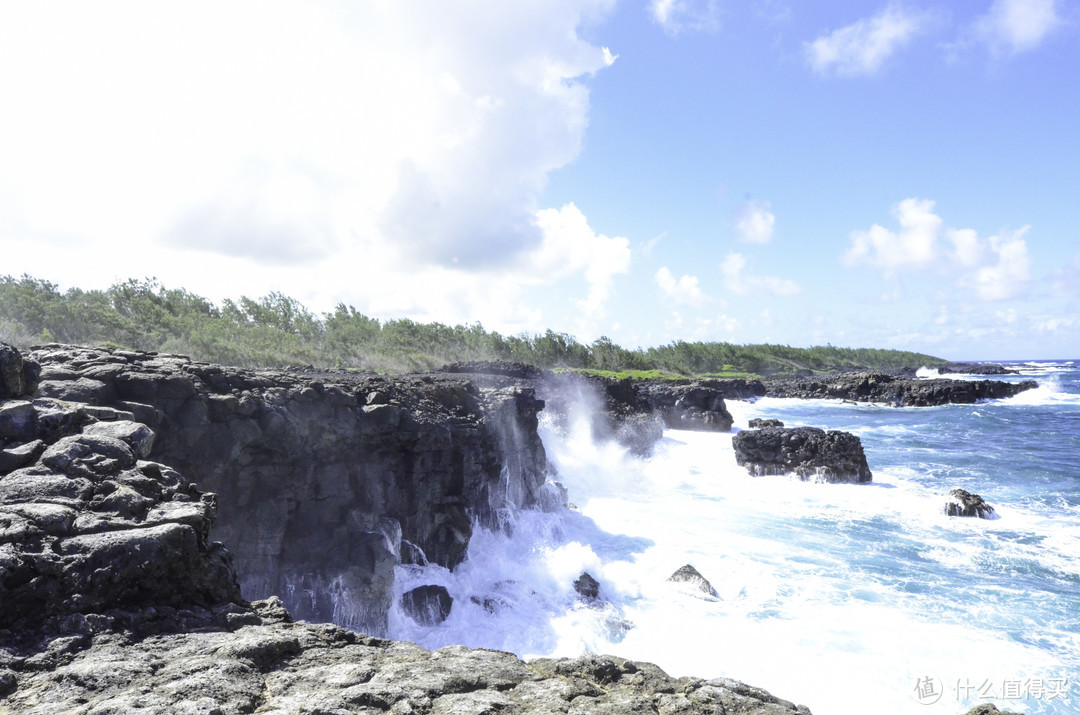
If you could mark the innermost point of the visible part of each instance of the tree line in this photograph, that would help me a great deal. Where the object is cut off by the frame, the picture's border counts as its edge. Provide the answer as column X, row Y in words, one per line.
column 278, row 331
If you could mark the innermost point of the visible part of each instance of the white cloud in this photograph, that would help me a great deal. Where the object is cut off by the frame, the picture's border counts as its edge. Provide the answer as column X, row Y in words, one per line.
column 1009, row 275
column 862, row 47
column 684, row 290
column 737, row 281
column 678, row 15
column 756, row 222
column 395, row 151
column 726, row 323
column 1016, row 26
column 571, row 246
column 914, row 246
column 996, row 268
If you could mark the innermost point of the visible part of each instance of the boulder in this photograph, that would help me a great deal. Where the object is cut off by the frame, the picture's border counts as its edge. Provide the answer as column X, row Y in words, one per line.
column 18, row 377
column 84, row 528
column 427, row 605
column 761, row 422
column 691, row 577
column 964, row 503
column 809, row 453
column 587, row 587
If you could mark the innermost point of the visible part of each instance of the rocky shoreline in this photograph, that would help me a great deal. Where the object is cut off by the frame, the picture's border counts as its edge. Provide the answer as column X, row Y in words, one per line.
column 145, row 497
column 115, row 600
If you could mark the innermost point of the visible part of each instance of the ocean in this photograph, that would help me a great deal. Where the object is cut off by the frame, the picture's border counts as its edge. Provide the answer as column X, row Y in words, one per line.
column 842, row 597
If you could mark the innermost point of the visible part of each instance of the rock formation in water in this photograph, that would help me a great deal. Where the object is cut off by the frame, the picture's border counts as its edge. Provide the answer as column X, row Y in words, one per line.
column 325, row 482
column 114, row 599
column 883, row 388
column 809, row 453
column 969, row 368
column 692, row 577
column 964, row 503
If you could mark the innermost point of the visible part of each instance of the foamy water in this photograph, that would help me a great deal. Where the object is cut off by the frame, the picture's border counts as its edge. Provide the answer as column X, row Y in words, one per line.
column 841, row 597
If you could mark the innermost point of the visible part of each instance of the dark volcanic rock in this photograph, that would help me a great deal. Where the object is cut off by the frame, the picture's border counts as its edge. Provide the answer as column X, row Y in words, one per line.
column 963, row 503
column 760, row 422
column 587, row 587
column 810, row 453
column 18, row 376
column 691, row 576
column 112, row 599
column 325, row 481
column 968, row 368
column 85, row 527
column 879, row 387
column 427, row 605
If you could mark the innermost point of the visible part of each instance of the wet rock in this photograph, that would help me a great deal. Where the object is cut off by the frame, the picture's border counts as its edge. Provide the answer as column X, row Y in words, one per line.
column 691, row 577
column 968, row 368
column 761, row 422
column 809, row 453
column 963, row 503
column 428, row 605
column 587, row 587
column 320, row 476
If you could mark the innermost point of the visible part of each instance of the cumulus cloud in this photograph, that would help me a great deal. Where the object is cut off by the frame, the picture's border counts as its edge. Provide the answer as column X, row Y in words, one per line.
column 913, row 246
column 996, row 268
column 1015, row 26
column 756, row 222
column 386, row 148
column 1008, row 276
column 862, row 47
column 571, row 246
column 678, row 15
column 684, row 290
column 738, row 281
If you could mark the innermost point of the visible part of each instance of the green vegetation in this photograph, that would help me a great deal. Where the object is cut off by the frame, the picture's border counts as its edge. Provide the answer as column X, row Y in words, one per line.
column 277, row 330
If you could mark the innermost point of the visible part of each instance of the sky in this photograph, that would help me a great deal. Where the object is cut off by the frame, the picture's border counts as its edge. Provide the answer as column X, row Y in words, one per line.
column 881, row 174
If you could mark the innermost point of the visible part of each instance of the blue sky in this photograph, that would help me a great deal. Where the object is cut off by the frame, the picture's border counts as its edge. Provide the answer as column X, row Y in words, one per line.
column 862, row 174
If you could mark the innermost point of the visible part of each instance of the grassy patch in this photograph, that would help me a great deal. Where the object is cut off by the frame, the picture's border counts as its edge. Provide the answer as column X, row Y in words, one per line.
column 731, row 374
column 624, row 374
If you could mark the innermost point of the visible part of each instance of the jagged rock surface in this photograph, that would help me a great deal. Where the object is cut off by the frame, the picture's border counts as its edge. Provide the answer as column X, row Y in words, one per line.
column 112, row 599
column 692, row 577
column 880, row 387
column 963, row 503
column 89, row 525
column 634, row 412
column 968, row 368
column 325, row 480
column 810, row 453
column 263, row 663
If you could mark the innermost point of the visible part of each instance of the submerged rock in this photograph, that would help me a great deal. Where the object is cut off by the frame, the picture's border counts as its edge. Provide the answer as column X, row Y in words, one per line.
column 762, row 422
column 809, row 453
column 963, row 503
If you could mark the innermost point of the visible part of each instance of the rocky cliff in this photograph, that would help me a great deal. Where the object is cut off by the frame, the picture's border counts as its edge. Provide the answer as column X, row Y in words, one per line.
column 113, row 598
column 324, row 481
column 901, row 392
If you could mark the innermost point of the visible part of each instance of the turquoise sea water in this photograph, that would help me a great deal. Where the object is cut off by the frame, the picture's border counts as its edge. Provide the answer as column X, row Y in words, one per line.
column 842, row 597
